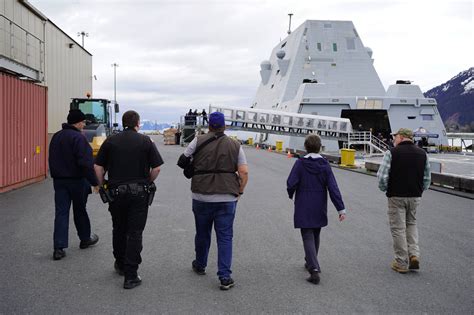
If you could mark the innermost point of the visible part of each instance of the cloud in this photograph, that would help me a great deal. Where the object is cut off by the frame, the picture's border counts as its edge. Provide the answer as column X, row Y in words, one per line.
column 177, row 54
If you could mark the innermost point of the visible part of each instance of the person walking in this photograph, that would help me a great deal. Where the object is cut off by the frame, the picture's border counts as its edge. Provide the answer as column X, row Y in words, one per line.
column 204, row 118
column 404, row 174
column 219, row 180
column 72, row 170
column 309, row 181
column 132, row 162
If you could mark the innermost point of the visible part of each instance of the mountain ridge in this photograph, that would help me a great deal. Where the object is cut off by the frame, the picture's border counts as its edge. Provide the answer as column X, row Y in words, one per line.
column 455, row 99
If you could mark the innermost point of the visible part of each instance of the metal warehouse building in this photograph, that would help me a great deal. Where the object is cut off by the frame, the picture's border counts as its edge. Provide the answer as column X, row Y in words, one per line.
column 41, row 69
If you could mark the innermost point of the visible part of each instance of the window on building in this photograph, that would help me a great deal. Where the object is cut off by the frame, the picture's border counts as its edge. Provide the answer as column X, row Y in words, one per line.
column 272, row 86
column 327, row 25
column 334, row 46
column 278, row 71
column 427, row 117
column 411, row 117
column 319, row 46
column 283, row 45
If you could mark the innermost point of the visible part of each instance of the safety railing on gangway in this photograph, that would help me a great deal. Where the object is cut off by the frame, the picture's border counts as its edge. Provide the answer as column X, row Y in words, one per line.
column 376, row 146
column 284, row 123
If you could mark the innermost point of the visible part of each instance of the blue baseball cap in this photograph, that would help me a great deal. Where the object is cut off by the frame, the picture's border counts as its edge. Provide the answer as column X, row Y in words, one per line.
column 216, row 120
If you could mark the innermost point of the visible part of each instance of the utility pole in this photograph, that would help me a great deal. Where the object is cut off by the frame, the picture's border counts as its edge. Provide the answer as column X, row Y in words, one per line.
column 115, row 65
column 83, row 34
column 289, row 26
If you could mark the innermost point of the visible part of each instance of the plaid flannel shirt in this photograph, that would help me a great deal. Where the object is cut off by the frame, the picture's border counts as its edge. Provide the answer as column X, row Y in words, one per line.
column 384, row 171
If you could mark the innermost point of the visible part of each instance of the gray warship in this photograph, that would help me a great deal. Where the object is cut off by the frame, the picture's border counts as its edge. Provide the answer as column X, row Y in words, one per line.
column 323, row 68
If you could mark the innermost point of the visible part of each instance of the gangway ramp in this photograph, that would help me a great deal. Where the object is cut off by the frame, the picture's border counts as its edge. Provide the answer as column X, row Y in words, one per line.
column 284, row 123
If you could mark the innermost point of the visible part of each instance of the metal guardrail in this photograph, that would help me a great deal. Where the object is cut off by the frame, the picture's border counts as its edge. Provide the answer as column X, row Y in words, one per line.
column 456, row 182
column 367, row 138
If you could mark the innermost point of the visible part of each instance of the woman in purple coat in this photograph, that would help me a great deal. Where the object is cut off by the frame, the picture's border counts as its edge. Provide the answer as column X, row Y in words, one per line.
column 311, row 178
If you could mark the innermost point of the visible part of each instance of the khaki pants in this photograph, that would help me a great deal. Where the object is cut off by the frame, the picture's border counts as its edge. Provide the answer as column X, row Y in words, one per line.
column 402, row 218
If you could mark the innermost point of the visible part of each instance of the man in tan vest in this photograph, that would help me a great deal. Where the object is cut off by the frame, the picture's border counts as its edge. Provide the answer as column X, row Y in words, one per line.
column 220, row 176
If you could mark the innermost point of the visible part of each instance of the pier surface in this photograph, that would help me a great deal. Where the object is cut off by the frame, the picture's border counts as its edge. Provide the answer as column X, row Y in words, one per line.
column 268, row 258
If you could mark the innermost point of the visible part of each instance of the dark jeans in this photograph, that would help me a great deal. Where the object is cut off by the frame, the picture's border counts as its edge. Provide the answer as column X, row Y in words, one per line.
column 67, row 191
column 311, row 247
column 221, row 215
column 129, row 214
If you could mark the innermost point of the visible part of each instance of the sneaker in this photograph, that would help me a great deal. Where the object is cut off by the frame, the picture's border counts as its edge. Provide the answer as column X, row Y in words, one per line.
column 59, row 253
column 92, row 241
column 398, row 268
column 414, row 263
column 199, row 270
column 118, row 269
column 132, row 283
column 314, row 278
column 226, row 283
column 308, row 268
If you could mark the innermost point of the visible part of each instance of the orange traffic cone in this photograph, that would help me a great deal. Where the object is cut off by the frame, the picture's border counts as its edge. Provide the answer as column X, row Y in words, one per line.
column 289, row 155
column 269, row 148
column 257, row 147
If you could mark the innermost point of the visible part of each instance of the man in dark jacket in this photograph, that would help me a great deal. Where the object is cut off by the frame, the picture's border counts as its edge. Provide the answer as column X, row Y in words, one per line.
column 72, row 170
column 219, row 180
column 404, row 174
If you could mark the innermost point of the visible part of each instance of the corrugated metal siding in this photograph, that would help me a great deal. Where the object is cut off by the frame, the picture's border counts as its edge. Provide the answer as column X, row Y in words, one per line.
column 23, row 126
column 68, row 74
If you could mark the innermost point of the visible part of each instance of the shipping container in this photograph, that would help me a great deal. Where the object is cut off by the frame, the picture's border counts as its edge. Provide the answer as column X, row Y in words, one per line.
column 23, row 132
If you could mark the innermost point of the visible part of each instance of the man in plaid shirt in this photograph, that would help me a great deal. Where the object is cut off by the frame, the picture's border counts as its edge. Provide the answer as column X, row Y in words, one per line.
column 404, row 174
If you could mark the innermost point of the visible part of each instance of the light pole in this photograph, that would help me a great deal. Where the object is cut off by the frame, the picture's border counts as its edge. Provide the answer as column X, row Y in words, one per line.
column 115, row 65
column 83, row 34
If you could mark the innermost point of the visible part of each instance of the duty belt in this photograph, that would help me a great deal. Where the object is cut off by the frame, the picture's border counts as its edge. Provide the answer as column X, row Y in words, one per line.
column 132, row 189
column 108, row 194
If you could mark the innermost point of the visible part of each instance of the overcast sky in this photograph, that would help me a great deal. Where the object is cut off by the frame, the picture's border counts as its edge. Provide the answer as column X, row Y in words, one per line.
column 178, row 54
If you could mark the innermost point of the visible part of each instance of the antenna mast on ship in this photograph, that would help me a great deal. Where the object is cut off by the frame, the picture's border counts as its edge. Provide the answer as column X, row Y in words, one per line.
column 289, row 25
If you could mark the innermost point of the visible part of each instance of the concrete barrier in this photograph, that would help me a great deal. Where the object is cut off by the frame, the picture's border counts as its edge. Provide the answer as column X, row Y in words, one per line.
column 332, row 158
column 456, row 182
column 371, row 166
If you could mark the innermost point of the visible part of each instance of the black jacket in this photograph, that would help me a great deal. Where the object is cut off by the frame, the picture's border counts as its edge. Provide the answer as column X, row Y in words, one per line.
column 406, row 170
column 70, row 156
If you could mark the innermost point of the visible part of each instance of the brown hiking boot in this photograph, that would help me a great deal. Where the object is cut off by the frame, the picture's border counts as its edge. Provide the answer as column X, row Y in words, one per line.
column 414, row 263
column 398, row 268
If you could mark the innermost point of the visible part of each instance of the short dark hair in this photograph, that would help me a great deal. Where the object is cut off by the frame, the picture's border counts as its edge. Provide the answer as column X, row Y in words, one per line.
column 130, row 119
column 221, row 129
column 312, row 143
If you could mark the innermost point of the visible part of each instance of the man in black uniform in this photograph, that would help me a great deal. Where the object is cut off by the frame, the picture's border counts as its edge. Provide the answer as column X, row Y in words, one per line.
column 133, row 163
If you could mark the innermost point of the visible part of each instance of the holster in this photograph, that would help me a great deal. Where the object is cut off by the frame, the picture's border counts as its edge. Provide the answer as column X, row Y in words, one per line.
column 151, row 189
column 105, row 194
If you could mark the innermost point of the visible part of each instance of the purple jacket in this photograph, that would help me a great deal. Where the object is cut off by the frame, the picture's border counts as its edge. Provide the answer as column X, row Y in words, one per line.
column 311, row 179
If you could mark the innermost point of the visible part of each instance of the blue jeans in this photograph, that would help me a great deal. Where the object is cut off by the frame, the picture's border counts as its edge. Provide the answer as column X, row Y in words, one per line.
column 221, row 214
column 67, row 191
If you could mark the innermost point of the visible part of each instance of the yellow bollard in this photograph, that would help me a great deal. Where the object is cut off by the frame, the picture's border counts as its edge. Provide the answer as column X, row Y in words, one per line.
column 250, row 140
column 279, row 145
column 347, row 157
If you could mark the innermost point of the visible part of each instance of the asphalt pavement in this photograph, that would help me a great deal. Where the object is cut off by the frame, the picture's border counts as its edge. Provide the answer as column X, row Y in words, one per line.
column 268, row 258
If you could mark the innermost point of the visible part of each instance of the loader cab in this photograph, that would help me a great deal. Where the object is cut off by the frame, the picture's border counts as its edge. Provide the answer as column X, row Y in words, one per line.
column 97, row 111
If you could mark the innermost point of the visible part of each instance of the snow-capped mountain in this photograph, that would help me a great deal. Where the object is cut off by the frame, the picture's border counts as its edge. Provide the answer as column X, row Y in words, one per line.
column 456, row 101
column 152, row 125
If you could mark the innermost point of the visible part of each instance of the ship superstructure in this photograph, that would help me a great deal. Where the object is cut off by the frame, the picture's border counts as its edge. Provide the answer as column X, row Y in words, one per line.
column 323, row 68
